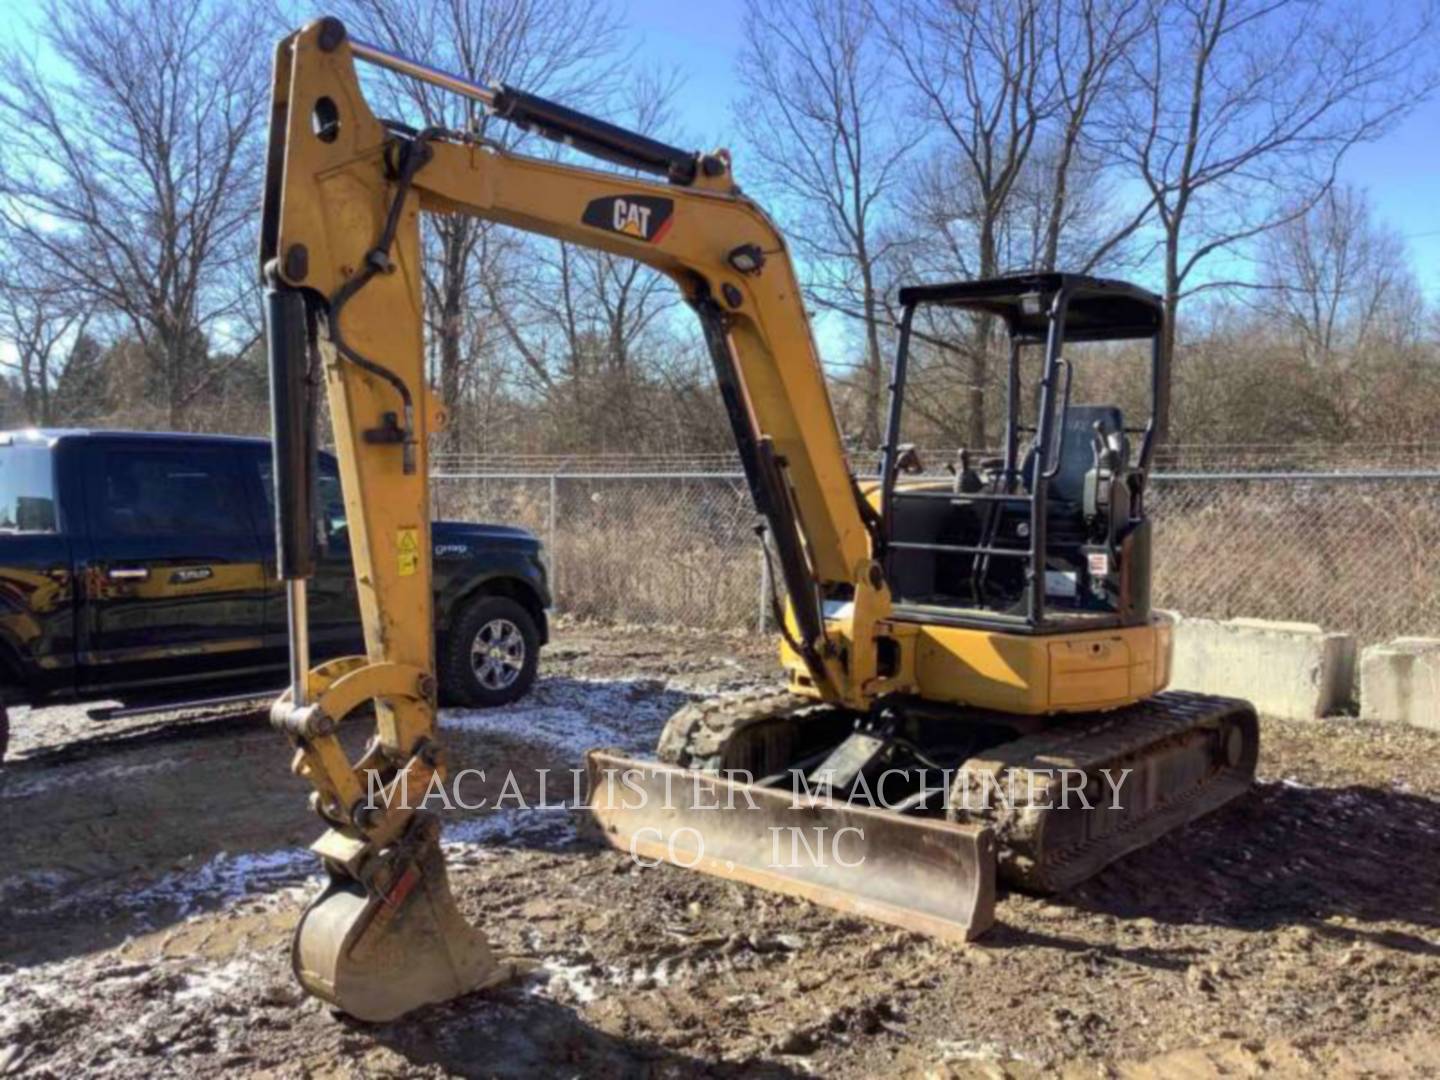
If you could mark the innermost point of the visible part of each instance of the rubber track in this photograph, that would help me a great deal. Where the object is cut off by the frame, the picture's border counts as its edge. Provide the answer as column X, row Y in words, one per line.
column 696, row 736
column 1033, row 852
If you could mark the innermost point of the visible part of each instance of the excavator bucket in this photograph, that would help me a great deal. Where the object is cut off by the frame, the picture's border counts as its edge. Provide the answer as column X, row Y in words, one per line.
column 934, row 877
column 379, row 957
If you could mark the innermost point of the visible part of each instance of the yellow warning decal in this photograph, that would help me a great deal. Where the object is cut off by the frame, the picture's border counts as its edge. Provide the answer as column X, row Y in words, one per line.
column 407, row 544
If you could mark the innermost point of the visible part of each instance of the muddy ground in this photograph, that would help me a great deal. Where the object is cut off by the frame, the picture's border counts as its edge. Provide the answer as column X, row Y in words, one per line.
column 152, row 873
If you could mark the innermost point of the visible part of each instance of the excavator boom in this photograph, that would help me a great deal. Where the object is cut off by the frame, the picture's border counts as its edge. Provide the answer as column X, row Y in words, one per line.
column 340, row 258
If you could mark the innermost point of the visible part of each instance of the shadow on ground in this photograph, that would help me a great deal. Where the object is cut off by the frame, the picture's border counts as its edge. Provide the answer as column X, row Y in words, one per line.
column 511, row 1034
column 102, row 737
column 112, row 835
column 1290, row 855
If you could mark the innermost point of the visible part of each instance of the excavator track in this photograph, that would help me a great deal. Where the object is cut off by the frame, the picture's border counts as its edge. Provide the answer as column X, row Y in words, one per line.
column 1041, row 812
column 1188, row 754
column 756, row 730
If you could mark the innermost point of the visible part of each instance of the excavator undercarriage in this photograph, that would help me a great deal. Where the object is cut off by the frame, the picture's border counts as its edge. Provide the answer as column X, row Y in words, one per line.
column 1040, row 811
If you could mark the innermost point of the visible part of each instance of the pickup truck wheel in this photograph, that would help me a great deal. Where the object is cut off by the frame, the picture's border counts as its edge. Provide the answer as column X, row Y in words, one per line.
column 491, row 653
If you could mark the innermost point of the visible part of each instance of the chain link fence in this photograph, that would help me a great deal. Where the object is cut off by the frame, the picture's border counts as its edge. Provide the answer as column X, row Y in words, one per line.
column 1351, row 551
column 676, row 549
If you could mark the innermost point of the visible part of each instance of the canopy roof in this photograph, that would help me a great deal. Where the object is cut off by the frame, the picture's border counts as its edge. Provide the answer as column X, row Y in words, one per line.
column 1101, row 309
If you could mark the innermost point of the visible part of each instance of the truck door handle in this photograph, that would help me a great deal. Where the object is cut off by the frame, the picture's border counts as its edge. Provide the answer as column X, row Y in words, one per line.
column 127, row 573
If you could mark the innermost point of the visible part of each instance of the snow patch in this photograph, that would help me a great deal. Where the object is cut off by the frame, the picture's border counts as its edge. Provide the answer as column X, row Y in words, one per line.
column 226, row 878
column 568, row 715
column 508, row 827
column 36, row 880
column 576, row 715
column 34, row 785
column 977, row 1050
column 216, row 982
column 223, row 879
column 217, row 883
column 555, row 977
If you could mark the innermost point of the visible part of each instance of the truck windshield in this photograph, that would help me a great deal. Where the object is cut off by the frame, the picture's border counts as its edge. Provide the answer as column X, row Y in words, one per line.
column 27, row 489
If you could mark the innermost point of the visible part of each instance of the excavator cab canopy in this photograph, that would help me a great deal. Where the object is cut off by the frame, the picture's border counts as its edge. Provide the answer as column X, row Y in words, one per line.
column 1051, row 531
column 1097, row 309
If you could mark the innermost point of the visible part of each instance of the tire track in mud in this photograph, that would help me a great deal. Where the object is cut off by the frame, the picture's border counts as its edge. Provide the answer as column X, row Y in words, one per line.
column 80, row 738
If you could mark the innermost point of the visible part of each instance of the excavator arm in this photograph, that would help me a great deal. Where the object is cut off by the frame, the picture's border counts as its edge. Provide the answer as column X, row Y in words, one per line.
column 343, row 196
column 341, row 261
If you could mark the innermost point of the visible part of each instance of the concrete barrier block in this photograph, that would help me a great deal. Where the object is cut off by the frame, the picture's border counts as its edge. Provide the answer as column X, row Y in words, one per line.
column 1297, row 671
column 1400, row 682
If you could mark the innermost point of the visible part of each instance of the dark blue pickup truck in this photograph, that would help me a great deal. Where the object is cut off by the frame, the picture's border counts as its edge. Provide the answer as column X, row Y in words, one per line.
column 141, row 567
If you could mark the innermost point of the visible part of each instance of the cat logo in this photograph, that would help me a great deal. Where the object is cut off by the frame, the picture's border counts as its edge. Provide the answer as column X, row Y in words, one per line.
column 643, row 217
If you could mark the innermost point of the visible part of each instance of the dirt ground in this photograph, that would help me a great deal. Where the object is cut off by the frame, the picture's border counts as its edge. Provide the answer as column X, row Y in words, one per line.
column 153, row 872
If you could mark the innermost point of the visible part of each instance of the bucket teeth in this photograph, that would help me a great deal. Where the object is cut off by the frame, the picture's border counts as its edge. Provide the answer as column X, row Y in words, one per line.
column 378, row 955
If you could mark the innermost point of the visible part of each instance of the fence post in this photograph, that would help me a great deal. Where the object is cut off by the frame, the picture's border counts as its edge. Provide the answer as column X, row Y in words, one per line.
column 764, row 589
column 550, row 543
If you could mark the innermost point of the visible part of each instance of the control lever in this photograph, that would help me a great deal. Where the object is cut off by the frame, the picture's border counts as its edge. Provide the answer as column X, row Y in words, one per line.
column 907, row 459
column 1107, row 448
column 967, row 480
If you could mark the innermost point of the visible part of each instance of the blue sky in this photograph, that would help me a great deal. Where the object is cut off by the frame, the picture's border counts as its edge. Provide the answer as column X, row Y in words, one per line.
column 1401, row 172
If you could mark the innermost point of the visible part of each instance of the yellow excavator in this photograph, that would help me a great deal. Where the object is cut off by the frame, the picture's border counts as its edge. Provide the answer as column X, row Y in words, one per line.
column 974, row 672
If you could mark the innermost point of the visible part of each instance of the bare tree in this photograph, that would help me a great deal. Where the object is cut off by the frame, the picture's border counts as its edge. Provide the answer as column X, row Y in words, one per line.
column 980, row 71
column 1340, row 279
column 941, row 208
column 1242, row 110
column 1089, row 45
column 550, row 47
column 589, row 329
column 1341, row 287
column 40, row 320
column 820, row 122
column 1015, row 178
column 132, row 171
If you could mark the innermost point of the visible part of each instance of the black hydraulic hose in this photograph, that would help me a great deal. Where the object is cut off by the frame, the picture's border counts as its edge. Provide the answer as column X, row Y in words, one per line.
column 870, row 517
column 777, row 609
column 414, row 154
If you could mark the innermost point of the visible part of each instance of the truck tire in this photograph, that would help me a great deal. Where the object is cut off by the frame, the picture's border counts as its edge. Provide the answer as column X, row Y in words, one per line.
column 491, row 653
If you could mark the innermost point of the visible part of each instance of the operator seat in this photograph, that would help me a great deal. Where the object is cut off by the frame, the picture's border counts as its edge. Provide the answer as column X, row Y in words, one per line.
column 1073, row 497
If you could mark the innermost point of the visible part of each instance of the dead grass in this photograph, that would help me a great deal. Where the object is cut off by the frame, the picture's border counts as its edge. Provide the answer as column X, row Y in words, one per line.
column 1355, row 557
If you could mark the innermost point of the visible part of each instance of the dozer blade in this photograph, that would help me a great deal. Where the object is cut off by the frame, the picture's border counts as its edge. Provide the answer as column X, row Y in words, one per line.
column 934, row 877
column 379, row 957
